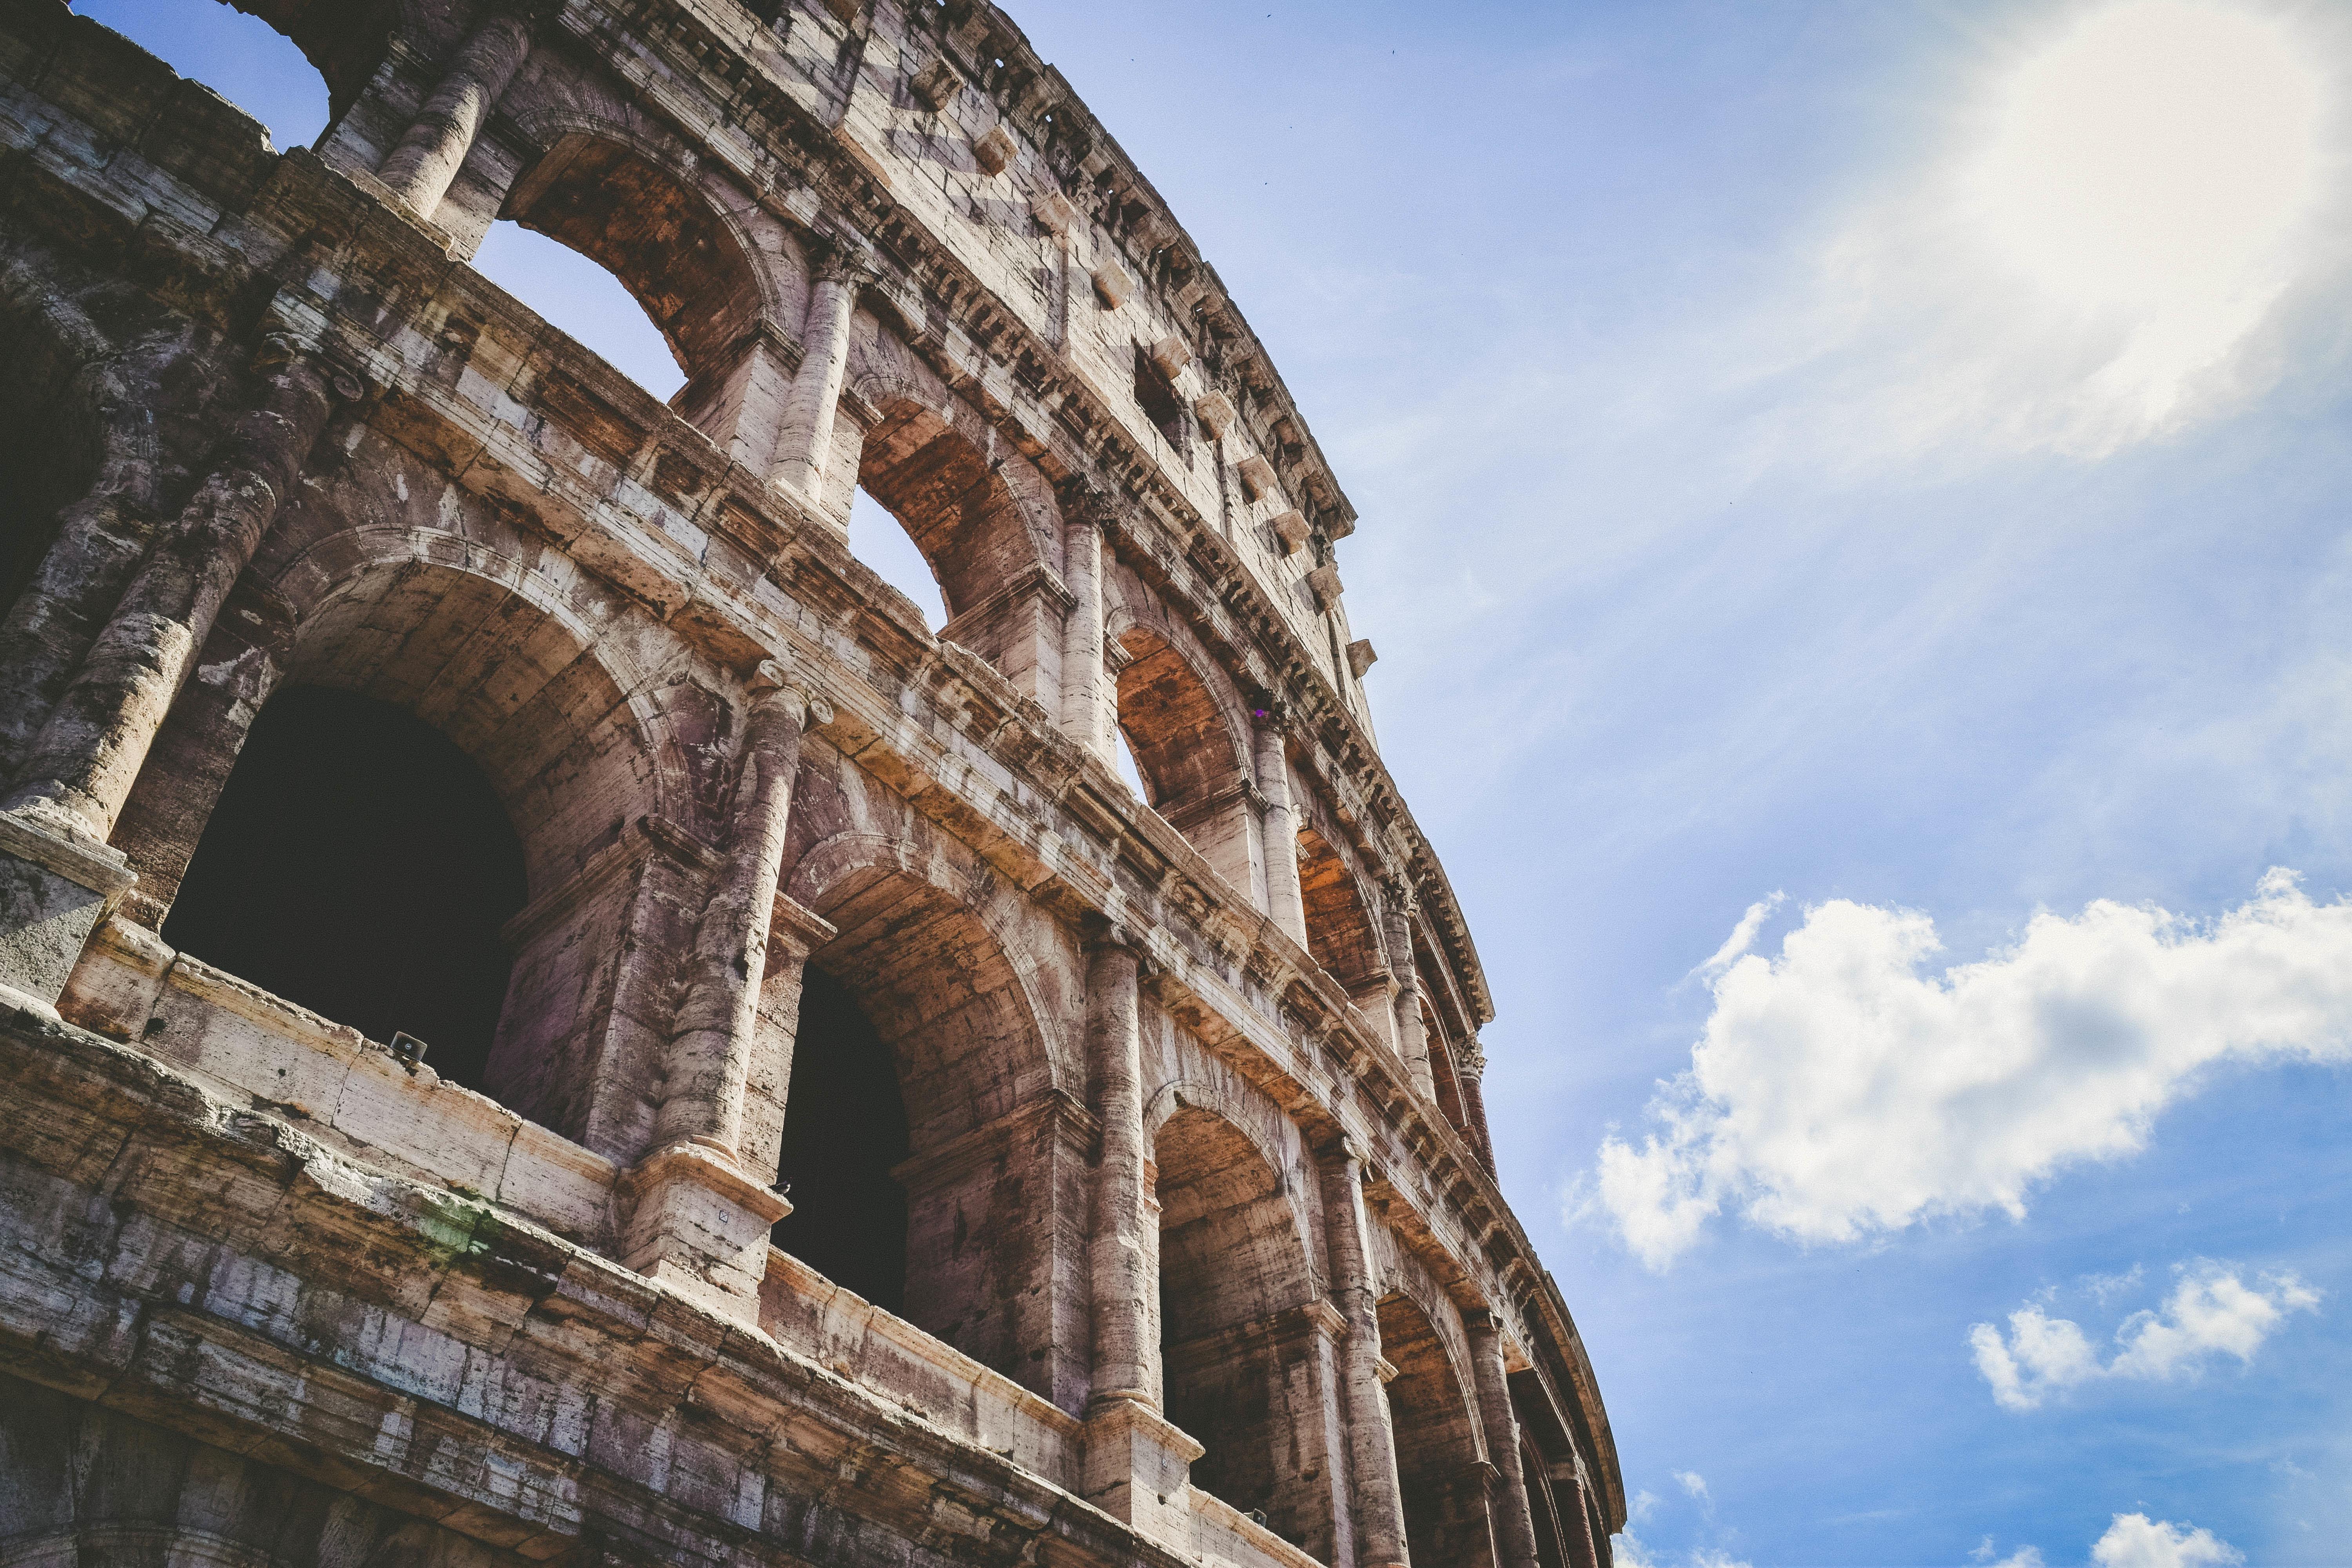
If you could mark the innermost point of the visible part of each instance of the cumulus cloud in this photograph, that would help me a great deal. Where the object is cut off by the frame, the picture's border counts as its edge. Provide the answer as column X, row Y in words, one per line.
column 1839, row 1094
column 2211, row 1312
column 1694, row 1483
column 2134, row 1540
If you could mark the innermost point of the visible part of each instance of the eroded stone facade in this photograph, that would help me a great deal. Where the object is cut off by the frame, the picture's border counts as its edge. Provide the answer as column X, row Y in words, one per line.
column 1205, row 1259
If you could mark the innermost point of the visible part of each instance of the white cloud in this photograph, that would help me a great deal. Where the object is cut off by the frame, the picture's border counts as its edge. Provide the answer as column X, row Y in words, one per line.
column 2023, row 1557
column 2211, row 1312
column 1837, row 1093
column 1645, row 1504
column 1694, row 1483
column 2134, row 1540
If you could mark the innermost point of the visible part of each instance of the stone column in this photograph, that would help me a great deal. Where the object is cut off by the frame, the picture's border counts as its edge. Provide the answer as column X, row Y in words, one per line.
column 1515, row 1525
column 1085, row 679
column 694, row 1217
column 1283, row 900
column 59, row 876
column 1372, row 1440
column 1136, row 1463
column 1118, row 1259
column 805, row 439
column 1412, row 1031
column 707, row 1064
column 419, row 170
column 1471, row 1066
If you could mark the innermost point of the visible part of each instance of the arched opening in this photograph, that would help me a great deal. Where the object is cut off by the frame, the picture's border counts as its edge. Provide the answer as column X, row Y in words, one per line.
column 877, row 539
column 1238, row 1350
column 844, row 1135
column 1438, row 1474
column 951, row 500
column 914, row 1005
column 359, row 864
column 290, row 64
column 584, row 301
column 1340, row 934
column 1185, row 756
column 459, row 666
column 651, row 231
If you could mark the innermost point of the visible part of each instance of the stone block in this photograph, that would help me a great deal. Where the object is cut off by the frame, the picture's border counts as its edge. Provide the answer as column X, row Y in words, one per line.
column 53, row 893
column 994, row 150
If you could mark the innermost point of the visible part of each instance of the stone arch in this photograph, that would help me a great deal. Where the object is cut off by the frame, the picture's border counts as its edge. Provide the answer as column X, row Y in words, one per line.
column 1439, row 1450
column 1190, row 744
column 1341, row 932
column 471, row 641
column 639, row 213
column 564, row 728
column 1245, row 1356
column 994, row 1180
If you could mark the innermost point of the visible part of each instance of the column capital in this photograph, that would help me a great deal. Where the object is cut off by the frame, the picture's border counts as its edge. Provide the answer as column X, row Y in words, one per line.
column 1087, row 502
column 1404, row 898
column 1271, row 712
column 771, row 677
column 1471, row 1060
column 844, row 259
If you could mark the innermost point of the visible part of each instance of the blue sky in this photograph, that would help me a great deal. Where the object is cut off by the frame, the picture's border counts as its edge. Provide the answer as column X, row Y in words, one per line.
column 1890, row 457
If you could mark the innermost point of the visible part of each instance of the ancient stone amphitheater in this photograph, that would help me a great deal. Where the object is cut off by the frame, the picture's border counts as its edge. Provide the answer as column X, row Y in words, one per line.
column 548, row 1018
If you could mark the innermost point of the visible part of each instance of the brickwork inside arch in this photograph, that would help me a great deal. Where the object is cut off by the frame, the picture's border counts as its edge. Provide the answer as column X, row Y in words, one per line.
column 1176, row 1100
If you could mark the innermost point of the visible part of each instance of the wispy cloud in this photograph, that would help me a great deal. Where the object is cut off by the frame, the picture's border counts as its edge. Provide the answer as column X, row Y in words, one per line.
column 1742, row 936
column 1838, row 1093
column 2090, row 260
column 2211, row 1312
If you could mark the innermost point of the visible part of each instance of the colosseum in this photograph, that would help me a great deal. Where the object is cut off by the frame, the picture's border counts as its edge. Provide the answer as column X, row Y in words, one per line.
column 550, row 1017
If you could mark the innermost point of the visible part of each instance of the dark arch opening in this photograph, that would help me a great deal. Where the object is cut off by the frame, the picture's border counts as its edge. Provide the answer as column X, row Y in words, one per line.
column 1436, row 1448
column 1233, row 1340
column 845, row 1133
column 358, row 864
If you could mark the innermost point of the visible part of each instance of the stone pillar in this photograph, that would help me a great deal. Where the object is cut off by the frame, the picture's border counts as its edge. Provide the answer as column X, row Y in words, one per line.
column 1118, row 1259
column 1471, row 1066
column 420, row 168
column 1372, row 1441
column 1137, row 1462
column 1088, row 698
column 695, row 1219
column 1412, row 1030
column 100, row 539
column 707, row 1064
column 1283, row 900
column 57, row 875
column 805, row 439
column 1515, row 1525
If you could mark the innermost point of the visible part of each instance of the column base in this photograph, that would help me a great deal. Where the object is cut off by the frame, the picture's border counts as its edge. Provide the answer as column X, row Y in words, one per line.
column 1138, row 1467
column 691, row 1219
column 56, row 885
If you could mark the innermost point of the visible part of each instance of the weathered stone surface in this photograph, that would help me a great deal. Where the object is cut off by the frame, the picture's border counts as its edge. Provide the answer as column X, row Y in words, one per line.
column 1162, row 1226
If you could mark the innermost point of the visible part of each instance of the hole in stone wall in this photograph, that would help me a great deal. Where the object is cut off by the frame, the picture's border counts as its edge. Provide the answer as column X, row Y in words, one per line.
column 845, row 1130
column 242, row 57
column 582, row 300
column 1436, row 1448
column 359, row 865
column 1158, row 400
column 879, row 540
column 38, row 479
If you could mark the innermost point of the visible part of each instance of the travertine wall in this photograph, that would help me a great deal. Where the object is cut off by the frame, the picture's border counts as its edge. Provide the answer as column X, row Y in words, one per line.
column 1205, row 1259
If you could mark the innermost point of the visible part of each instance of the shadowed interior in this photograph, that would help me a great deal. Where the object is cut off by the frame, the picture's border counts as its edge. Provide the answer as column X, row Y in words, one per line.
column 359, row 864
